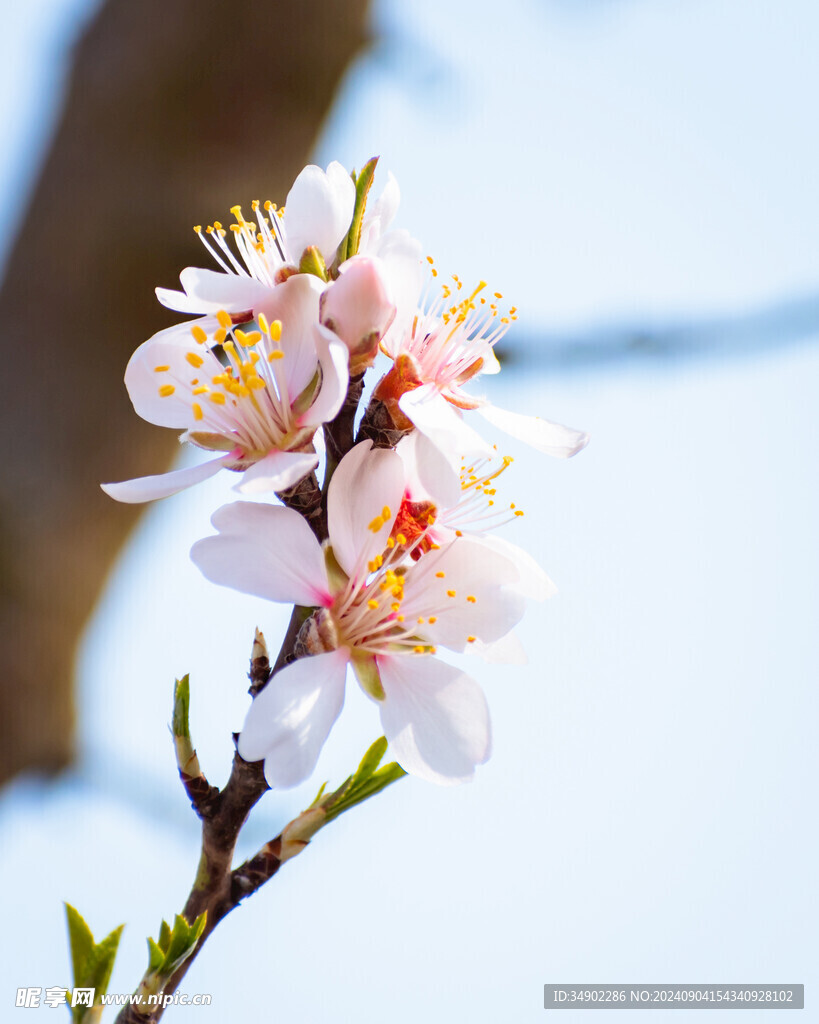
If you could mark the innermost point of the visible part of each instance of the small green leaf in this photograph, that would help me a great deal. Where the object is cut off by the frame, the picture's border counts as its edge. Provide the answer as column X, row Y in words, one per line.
column 362, row 188
column 156, row 956
column 181, row 707
column 82, row 943
column 101, row 962
column 370, row 761
column 164, row 936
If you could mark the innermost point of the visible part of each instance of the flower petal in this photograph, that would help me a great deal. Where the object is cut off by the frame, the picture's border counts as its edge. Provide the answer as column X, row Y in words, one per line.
column 506, row 651
column 534, row 583
column 289, row 721
column 148, row 488
column 334, row 360
column 276, row 472
column 214, row 290
column 367, row 481
column 441, row 583
column 545, row 436
column 266, row 551
column 429, row 472
column 168, row 350
column 295, row 303
column 443, row 426
column 435, row 718
column 319, row 210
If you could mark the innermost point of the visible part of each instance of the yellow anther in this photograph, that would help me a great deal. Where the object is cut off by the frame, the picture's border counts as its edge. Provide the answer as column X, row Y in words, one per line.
column 401, row 538
column 498, row 295
column 276, row 354
column 197, row 411
column 161, row 369
column 471, row 639
column 194, row 359
column 194, row 380
column 385, row 513
column 166, row 390
column 237, row 212
column 202, row 390
column 217, row 397
column 390, row 542
column 224, row 319
column 519, row 512
column 255, row 383
column 376, row 524
column 276, row 330
column 197, row 228
column 230, row 348
column 433, row 619
column 395, row 606
column 459, row 533
column 450, row 593
column 399, row 618
column 420, row 620
column 199, row 334
column 372, row 604
column 471, row 598
column 265, row 326
column 220, row 336
column 440, row 575
column 268, row 205
column 419, row 650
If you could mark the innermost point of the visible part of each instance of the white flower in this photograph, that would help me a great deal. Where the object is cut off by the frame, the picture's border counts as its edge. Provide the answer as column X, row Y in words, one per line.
column 443, row 343
column 260, row 410
column 379, row 610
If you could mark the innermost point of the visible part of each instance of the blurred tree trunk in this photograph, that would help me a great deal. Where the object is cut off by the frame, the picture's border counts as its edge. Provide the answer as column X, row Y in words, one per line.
column 176, row 109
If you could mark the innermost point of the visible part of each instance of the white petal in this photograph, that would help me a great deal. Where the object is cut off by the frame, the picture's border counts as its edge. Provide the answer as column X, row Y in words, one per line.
column 334, row 359
column 406, row 272
column 545, row 436
column 319, row 210
column 276, row 472
column 147, row 488
column 506, row 651
column 296, row 304
column 264, row 550
column 470, row 569
column 430, row 473
column 443, row 426
column 490, row 362
column 215, row 290
column 365, row 482
column 384, row 209
column 291, row 718
column 182, row 303
column 534, row 583
column 435, row 718
column 169, row 348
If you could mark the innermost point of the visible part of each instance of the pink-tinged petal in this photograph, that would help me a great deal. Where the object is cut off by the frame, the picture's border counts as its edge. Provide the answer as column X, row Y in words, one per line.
column 319, row 210
column 333, row 359
column 295, row 303
column 443, row 426
column 276, row 472
column 533, row 584
column 358, row 306
column 215, row 290
column 380, row 214
column 148, row 488
column 429, row 472
column 161, row 362
column 545, row 436
column 266, row 551
column 435, row 718
column 367, row 482
column 291, row 718
column 406, row 271
column 469, row 569
column 506, row 651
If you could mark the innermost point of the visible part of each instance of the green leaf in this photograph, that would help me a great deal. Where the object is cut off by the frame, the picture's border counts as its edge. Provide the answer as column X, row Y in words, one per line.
column 362, row 188
column 164, row 937
column 101, row 962
column 181, row 707
column 156, row 955
column 82, row 943
column 370, row 761
column 312, row 262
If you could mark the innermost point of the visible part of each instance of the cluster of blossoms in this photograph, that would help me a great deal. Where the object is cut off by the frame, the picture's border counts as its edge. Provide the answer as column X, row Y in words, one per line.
column 392, row 557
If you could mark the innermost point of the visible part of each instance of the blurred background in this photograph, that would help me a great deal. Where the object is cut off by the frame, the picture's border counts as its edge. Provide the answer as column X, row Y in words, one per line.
column 639, row 179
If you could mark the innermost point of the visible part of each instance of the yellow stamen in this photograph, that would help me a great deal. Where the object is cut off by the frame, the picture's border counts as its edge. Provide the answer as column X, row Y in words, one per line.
column 195, row 360
column 197, row 411
column 166, row 390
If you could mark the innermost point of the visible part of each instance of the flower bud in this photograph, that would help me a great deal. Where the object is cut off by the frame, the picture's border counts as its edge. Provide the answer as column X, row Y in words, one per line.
column 359, row 309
